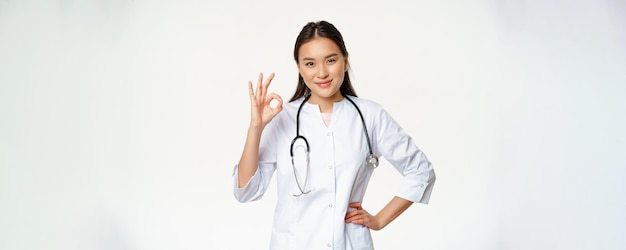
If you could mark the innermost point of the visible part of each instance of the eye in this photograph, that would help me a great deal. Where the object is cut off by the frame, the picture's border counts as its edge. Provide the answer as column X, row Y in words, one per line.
column 331, row 61
column 308, row 64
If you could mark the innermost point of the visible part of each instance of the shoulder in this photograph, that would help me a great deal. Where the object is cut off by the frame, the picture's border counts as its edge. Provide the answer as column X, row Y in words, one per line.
column 295, row 104
column 373, row 112
column 367, row 105
column 291, row 108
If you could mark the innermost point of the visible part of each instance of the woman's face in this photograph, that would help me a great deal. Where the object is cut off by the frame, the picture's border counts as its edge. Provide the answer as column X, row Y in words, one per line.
column 322, row 66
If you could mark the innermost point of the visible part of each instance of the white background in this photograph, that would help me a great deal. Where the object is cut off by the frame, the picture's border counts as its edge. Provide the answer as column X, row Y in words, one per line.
column 120, row 121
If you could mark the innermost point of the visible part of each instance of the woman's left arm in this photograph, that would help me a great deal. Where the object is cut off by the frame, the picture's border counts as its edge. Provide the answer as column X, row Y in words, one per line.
column 418, row 176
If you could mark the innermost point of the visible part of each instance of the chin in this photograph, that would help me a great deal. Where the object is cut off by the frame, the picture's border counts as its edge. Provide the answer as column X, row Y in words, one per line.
column 329, row 94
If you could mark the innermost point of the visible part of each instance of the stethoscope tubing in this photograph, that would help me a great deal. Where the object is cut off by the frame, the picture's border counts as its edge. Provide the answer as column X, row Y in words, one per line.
column 371, row 159
column 367, row 136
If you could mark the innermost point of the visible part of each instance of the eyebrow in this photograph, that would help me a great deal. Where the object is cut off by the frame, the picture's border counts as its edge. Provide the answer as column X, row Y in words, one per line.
column 328, row 56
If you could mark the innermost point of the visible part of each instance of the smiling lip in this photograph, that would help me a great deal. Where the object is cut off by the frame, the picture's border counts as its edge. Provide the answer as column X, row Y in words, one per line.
column 324, row 84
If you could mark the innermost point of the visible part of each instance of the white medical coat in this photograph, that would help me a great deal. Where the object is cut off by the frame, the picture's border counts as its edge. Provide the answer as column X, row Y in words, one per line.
column 337, row 172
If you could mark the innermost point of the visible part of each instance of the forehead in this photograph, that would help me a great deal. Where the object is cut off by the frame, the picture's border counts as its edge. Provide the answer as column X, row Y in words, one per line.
column 319, row 47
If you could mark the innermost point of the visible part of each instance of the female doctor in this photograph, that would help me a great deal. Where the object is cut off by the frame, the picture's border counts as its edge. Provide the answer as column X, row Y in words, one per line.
column 323, row 145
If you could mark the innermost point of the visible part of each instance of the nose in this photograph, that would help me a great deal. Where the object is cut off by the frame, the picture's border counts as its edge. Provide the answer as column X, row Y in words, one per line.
column 322, row 72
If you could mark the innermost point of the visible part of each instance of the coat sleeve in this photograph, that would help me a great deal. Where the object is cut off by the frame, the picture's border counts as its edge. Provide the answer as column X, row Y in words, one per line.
column 256, row 187
column 400, row 150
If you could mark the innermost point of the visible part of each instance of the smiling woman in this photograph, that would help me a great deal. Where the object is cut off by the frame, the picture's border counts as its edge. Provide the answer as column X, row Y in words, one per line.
column 323, row 69
column 320, row 193
column 119, row 129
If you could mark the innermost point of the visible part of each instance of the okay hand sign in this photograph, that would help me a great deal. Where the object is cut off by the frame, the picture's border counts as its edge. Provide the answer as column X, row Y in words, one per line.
column 262, row 111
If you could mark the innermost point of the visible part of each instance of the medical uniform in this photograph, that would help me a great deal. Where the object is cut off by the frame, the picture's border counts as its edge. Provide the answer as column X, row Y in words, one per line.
column 337, row 173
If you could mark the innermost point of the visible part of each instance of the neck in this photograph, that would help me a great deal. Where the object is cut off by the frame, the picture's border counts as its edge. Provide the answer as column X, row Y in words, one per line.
column 325, row 104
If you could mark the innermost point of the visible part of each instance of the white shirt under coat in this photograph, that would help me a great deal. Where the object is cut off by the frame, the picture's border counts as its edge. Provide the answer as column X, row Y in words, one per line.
column 337, row 172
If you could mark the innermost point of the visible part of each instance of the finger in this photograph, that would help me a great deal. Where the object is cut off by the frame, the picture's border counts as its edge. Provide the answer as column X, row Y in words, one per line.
column 280, row 99
column 268, row 80
column 350, row 215
column 359, row 219
column 356, row 205
column 266, row 84
column 251, row 91
column 258, row 85
column 355, row 213
column 279, row 104
column 274, row 96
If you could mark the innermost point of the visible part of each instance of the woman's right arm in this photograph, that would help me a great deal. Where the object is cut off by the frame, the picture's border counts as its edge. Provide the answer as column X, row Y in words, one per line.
column 261, row 114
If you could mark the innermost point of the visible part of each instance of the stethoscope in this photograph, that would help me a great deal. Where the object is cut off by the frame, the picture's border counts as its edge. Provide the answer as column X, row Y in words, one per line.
column 370, row 159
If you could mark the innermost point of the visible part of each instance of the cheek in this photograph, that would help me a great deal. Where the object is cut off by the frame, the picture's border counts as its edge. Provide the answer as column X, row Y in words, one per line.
column 339, row 70
column 306, row 74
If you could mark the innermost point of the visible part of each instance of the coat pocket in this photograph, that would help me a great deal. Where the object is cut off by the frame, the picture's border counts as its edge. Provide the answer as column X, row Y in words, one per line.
column 358, row 237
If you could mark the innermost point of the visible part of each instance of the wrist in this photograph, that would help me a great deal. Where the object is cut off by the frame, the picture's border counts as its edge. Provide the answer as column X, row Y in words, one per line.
column 380, row 222
column 256, row 126
column 255, row 129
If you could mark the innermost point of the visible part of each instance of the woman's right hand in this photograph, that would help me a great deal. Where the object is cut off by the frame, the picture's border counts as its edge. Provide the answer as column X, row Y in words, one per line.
column 262, row 111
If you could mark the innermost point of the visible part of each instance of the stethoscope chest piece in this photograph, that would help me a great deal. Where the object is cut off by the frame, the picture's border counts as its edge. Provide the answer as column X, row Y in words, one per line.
column 372, row 161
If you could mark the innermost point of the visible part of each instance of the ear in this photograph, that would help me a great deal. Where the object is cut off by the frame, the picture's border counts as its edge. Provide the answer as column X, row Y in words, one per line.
column 347, row 63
